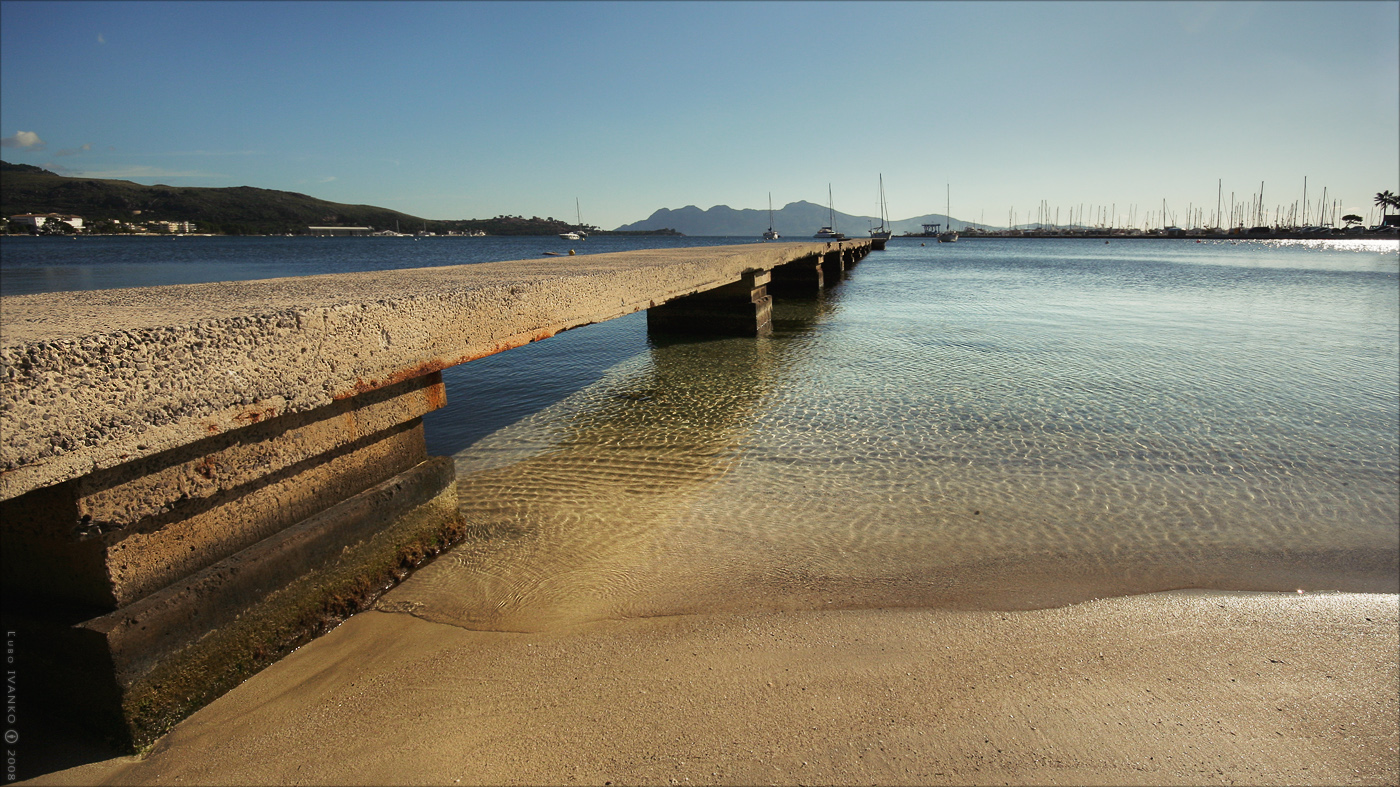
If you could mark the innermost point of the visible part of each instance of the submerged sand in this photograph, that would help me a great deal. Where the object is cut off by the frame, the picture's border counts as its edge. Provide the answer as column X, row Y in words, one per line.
column 1172, row 688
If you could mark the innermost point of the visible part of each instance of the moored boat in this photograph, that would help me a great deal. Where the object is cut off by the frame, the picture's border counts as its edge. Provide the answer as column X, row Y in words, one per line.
column 829, row 232
column 948, row 236
column 880, row 234
column 578, row 234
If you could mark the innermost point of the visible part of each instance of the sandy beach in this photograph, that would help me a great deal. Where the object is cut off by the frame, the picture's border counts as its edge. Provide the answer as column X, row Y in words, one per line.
column 1171, row 688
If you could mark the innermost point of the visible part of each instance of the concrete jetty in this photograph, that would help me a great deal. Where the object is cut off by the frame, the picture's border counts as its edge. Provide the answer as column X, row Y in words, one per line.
column 197, row 479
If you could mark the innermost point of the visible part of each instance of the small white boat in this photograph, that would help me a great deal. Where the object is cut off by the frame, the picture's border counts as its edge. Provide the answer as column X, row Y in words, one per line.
column 771, row 234
column 575, row 234
column 829, row 231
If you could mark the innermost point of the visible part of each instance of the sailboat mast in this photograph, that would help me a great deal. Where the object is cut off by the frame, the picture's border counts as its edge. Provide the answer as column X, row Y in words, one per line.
column 882, row 202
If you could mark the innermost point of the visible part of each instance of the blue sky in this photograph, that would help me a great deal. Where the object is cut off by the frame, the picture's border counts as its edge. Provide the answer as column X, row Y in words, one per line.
column 470, row 110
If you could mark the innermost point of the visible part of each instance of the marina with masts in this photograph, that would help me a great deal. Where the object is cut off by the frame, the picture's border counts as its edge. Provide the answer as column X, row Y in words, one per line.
column 1234, row 218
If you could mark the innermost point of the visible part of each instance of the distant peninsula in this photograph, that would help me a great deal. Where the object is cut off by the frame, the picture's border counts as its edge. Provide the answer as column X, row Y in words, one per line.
column 121, row 206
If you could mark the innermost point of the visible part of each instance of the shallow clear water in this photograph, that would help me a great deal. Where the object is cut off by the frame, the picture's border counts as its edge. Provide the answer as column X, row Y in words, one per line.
column 998, row 424
column 993, row 423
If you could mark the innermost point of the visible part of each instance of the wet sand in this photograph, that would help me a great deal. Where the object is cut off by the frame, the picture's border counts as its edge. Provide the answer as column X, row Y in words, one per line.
column 1171, row 688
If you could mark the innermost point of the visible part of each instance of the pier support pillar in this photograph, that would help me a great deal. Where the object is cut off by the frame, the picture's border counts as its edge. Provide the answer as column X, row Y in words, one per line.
column 155, row 586
column 743, row 308
column 833, row 265
column 804, row 276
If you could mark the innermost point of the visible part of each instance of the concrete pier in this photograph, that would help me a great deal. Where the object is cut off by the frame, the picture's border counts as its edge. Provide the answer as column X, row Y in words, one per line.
column 743, row 308
column 196, row 479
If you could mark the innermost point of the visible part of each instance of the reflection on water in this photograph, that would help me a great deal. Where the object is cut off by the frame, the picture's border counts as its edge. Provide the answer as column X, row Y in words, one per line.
column 1011, row 425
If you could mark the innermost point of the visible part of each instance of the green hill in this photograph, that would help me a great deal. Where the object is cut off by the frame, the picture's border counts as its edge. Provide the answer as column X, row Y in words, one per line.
column 242, row 210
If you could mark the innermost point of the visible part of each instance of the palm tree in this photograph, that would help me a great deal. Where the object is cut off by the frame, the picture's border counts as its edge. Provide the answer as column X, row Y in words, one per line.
column 1387, row 199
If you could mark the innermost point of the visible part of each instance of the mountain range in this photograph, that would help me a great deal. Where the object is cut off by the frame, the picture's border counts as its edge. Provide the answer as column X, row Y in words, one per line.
column 247, row 210
column 240, row 210
column 28, row 189
column 795, row 221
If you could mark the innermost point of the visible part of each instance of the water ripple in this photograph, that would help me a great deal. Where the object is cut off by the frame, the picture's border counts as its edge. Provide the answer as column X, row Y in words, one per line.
column 961, row 428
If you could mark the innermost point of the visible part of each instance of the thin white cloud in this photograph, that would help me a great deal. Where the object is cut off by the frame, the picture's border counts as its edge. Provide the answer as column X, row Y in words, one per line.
column 23, row 139
column 211, row 153
column 326, row 180
column 75, row 151
column 101, row 39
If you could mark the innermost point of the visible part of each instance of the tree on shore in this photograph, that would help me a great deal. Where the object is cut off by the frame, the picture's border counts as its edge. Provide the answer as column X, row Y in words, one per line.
column 56, row 227
column 1352, row 218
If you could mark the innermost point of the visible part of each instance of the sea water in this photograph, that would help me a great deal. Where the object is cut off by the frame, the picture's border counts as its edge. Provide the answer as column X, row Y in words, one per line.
column 1004, row 423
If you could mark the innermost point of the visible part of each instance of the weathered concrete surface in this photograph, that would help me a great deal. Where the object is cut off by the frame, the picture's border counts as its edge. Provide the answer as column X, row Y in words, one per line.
column 114, row 536
column 134, row 672
column 91, row 380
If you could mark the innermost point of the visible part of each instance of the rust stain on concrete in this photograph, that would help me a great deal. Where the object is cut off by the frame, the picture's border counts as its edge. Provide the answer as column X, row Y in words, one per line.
column 364, row 386
column 436, row 396
column 253, row 415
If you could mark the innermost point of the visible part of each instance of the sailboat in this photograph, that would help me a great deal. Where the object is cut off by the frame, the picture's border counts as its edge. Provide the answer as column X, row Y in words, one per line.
column 575, row 234
column 881, row 233
column 949, row 236
column 829, row 231
column 771, row 234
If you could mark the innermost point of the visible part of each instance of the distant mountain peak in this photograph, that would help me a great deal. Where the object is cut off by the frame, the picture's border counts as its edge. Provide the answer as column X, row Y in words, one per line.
column 795, row 220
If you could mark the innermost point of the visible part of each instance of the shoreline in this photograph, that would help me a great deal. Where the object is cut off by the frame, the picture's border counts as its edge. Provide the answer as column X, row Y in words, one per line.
column 1182, row 687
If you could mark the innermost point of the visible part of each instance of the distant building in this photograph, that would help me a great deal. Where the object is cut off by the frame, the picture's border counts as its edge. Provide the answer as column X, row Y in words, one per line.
column 325, row 231
column 176, row 226
column 38, row 220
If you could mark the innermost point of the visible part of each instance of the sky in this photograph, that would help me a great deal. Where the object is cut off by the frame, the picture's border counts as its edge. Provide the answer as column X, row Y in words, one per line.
column 456, row 110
